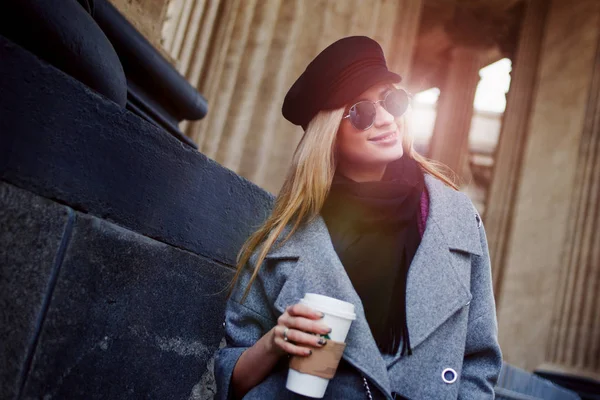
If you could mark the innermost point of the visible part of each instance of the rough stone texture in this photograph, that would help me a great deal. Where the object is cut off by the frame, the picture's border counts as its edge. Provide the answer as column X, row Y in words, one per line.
column 207, row 387
column 85, row 151
column 31, row 231
column 131, row 317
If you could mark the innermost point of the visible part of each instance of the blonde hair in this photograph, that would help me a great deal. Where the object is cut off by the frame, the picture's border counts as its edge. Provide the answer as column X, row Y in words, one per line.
column 306, row 187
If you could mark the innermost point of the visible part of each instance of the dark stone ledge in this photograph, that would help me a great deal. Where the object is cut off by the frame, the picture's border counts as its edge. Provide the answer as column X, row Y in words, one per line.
column 65, row 35
column 62, row 141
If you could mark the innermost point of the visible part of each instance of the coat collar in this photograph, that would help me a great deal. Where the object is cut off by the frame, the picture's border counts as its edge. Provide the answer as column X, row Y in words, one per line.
column 435, row 288
column 449, row 209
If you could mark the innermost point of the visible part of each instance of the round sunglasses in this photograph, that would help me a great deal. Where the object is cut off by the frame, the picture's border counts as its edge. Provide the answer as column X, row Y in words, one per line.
column 362, row 114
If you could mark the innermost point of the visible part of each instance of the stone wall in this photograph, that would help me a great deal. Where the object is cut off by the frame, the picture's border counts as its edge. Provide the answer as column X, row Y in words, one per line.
column 118, row 243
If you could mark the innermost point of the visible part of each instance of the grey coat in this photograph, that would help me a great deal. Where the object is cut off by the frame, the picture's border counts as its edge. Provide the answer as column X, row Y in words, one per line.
column 450, row 311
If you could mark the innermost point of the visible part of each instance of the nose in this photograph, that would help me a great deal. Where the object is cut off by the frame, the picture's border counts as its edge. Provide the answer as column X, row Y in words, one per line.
column 382, row 116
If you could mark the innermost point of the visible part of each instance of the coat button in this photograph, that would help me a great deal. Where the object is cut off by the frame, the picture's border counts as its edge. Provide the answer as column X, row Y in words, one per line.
column 449, row 375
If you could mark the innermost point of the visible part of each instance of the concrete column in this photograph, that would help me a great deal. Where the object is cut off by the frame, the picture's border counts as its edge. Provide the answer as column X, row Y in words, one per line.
column 405, row 34
column 550, row 283
column 146, row 15
column 574, row 346
column 515, row 123
column 450, row 140
column 243, row 55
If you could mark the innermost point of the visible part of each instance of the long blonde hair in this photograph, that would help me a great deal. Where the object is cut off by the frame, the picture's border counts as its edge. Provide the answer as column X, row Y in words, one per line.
column 307, row 185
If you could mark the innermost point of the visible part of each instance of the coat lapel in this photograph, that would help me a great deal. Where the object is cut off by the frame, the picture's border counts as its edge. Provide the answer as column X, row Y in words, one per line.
column 436, row 286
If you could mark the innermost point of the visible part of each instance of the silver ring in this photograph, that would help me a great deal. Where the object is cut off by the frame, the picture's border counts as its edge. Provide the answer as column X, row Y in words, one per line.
column 285, row 331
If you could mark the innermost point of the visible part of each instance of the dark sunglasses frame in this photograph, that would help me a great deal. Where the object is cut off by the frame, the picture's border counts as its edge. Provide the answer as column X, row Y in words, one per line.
column 374, row 103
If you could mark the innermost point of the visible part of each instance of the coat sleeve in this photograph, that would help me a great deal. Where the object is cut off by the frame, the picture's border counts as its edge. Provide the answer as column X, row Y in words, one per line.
column 245, row 323
column 483, row 358
column 243, row 328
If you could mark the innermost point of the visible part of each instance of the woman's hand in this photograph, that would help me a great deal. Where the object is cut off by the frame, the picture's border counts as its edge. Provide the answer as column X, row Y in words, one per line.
column 302, row 327
column 300, row 324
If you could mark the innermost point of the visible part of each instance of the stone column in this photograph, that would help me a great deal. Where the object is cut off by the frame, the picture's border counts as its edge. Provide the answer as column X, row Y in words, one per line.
column 574, row 346
column 243, row 55
column 511, row 144
column 450, row 140
column 146, row 16
column 548, row 306
column 402, row 45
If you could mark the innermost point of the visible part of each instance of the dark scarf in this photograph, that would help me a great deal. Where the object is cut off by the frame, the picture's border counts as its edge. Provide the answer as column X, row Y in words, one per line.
column 374, row 230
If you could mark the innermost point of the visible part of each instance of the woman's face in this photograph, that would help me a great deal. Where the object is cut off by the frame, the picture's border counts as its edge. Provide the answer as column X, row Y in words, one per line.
column 378, row 145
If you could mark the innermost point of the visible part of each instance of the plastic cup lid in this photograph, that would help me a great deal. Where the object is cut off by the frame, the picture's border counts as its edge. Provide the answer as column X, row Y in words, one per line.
column 329, row 305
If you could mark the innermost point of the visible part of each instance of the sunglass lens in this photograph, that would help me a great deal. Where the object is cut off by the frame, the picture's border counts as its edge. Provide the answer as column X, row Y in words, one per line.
column 362, row 115
column 396, row 102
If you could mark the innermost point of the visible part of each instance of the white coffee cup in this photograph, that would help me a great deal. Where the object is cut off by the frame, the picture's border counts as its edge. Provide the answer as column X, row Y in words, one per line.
column 338, row 316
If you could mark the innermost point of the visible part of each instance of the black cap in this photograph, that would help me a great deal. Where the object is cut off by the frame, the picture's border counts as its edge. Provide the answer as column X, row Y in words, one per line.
column 340, row 73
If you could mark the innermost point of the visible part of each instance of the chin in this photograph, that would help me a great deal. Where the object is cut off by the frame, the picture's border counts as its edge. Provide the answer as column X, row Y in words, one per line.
column 394, row 155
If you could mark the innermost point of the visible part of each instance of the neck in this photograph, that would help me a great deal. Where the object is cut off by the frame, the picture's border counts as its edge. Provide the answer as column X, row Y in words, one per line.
column 362, row 173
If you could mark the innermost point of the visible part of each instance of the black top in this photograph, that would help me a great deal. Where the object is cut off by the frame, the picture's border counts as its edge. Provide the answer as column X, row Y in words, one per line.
column 374, row 231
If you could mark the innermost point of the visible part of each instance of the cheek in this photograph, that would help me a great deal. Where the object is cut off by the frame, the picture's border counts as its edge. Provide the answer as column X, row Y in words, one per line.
column 353, row 146
column 350, row 145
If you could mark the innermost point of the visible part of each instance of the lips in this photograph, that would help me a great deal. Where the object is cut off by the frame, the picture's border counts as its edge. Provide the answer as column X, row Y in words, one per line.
column 383, row 137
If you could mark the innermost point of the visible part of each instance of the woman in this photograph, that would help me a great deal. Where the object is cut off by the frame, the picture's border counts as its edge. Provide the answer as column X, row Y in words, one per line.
column 363, row 218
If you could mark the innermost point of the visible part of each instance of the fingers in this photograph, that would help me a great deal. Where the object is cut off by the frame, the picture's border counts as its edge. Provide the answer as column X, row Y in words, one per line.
column 303, row 324
column 304, row 339
column 299, row 343
column 291, row 348
column 301, row 310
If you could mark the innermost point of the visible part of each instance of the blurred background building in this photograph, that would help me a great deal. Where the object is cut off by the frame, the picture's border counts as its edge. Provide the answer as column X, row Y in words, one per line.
column 507, row 97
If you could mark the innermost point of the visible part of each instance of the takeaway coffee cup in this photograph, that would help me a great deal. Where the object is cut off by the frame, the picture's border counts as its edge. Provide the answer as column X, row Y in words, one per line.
column 338, row 316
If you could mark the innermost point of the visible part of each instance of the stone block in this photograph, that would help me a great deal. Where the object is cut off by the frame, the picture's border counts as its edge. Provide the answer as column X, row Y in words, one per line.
column 63, row 141
column 131, row 317
column 32, row 231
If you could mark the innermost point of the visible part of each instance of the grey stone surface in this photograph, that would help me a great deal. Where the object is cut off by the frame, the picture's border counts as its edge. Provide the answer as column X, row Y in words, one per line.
column 131, row 317
column 31, row 230
column 206, row 389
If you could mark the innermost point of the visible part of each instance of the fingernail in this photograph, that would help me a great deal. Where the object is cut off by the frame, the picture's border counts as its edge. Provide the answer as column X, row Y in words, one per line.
column 309, row 353
column 329, row 331
column 322, row 315
column 322, row 341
